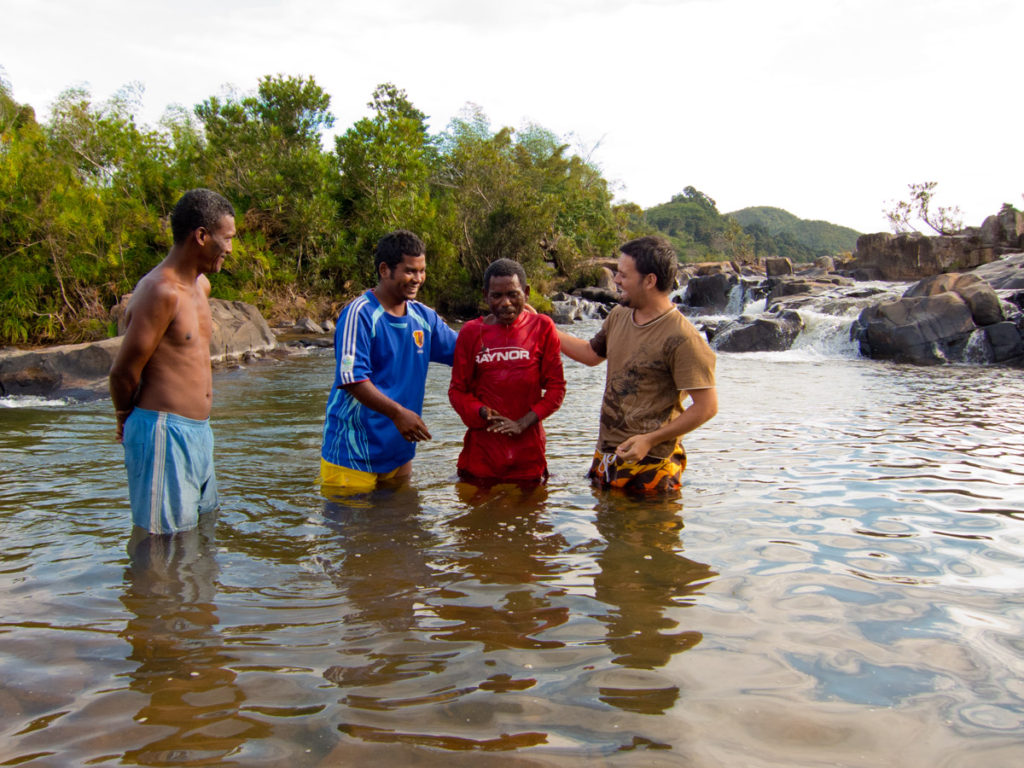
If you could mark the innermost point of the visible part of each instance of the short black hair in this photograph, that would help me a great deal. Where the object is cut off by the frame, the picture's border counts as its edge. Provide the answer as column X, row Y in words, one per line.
column 654, row 256
column 504, row 268
column 198, row 208
column 394, row 246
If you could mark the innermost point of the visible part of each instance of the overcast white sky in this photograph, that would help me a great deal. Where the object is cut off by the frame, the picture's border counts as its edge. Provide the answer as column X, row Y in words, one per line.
column 827, row 108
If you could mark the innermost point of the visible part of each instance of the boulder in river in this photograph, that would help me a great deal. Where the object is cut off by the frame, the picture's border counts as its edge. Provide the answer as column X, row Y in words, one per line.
column 926, row 330
column 770, row 332
column 80, row 370
column 710, row 293
column 983, row 301
column 945, row 318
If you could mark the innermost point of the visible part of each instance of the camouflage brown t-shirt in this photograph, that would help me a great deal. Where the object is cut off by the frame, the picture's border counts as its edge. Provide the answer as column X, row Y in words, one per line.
column 648, row 366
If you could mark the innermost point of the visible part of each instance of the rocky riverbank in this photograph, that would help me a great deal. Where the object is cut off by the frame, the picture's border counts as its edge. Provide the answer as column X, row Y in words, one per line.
column 965, row 304
column 80, row 370
column 973, row 314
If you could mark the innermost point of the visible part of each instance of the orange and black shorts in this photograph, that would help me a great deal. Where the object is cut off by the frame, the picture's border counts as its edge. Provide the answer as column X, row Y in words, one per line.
column 650, row 475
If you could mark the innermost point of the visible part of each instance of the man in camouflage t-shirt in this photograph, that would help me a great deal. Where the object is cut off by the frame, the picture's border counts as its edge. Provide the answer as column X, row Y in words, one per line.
column 655, row 359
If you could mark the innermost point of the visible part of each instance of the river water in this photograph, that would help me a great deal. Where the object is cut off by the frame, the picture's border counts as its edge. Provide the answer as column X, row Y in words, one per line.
column 839, row 584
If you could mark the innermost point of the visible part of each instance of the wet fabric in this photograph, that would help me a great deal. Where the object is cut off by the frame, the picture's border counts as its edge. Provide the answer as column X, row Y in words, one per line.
column 512, row 370
column 650, row 367
column 393, row 353
column 341, row 480
column 650, row 475
column 169, row 460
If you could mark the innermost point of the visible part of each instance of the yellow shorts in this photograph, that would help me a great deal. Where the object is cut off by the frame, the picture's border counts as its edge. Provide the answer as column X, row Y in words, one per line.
column 335, row 479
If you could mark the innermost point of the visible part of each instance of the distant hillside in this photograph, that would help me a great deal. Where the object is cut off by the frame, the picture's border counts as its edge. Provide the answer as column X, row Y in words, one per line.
column 818, row 237
column 698, row 232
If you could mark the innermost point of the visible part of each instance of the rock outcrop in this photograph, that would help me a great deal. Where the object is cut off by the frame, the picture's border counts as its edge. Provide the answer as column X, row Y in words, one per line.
column 710, row 293
column 912, row 256
column 238, row 330
column 80, row 370
column 70, row 370
column 944, row 318
column 1007, row 274
column 770, row 332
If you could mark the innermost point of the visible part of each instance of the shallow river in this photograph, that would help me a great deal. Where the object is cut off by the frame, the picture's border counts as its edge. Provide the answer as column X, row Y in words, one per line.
column 841, row 583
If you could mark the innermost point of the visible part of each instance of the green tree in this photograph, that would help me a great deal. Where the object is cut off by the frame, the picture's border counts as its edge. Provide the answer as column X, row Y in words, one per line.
column 522, row 195
column 262, row 151
column 697, row 230
column 82, row 199
column 385, row 162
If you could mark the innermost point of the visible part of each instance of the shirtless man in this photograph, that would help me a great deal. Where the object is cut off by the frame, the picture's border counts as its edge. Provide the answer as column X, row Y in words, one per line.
column 161, row 382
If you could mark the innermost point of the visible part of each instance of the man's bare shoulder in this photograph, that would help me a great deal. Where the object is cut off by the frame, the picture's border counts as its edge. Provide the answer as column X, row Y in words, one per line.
column 157, row 293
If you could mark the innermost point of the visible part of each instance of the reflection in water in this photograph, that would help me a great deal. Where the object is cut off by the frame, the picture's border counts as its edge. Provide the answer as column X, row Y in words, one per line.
column 503, row 539
column 377, row 558
column 456, row 622
column 642, row 578
column 861, row 596
column 193, row 705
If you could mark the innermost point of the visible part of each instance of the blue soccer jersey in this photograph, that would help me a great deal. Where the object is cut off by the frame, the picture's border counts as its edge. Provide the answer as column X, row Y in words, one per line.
column 393, row 354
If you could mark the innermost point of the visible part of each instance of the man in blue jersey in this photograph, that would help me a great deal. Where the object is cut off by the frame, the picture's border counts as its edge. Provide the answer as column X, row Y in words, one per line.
column 382, row 347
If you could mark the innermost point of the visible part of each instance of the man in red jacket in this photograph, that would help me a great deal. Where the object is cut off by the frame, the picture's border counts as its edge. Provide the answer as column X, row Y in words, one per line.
column 506, row 378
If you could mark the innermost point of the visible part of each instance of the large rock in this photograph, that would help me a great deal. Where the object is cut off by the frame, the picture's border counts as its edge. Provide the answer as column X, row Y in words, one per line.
column 80, row 370
column 238, row 330
column 598, row 294
column 1005, row 227
column 606, row 280
column 778, row 266
column 926, row 330
column 765, row 333
column 796, row 285
column 70, row 370
column 710, row 292
column 1005, row 341
column 912, row 256
column 985, row 306
column 1006, row 273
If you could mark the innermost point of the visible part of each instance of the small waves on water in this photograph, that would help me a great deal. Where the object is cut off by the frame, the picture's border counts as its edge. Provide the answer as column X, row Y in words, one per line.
column 838, row 583
column 32, row 401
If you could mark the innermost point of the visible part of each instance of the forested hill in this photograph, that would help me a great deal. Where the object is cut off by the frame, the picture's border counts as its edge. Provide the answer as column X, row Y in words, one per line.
column 817, row 236
column 691, row 221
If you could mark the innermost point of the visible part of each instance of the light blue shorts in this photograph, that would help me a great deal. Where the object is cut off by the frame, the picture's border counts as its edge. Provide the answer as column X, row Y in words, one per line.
column 170, row 470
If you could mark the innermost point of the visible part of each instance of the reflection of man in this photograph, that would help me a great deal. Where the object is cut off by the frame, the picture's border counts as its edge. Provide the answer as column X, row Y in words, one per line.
column 506, row 379
column 191, row 702
column 655, row 356
column 383, row 345
column 161, row 382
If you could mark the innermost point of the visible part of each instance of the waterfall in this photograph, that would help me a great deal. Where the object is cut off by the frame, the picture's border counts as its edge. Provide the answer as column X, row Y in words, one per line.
column 826, row 335
column 734, row 306
column 978, row 350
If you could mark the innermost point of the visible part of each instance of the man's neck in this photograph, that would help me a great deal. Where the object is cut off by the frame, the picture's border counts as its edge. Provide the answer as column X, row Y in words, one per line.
column 390, row 304
column 183, row 267
column 656, row 305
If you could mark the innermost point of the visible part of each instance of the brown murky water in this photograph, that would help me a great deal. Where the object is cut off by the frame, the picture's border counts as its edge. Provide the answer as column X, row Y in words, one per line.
column 840, row 584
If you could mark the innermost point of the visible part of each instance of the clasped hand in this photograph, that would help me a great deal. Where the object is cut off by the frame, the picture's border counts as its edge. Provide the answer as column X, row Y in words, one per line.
column 502, row 424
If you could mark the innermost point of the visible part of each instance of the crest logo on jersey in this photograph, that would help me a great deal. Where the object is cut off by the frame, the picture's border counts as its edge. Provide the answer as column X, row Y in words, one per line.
column 417, row 336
